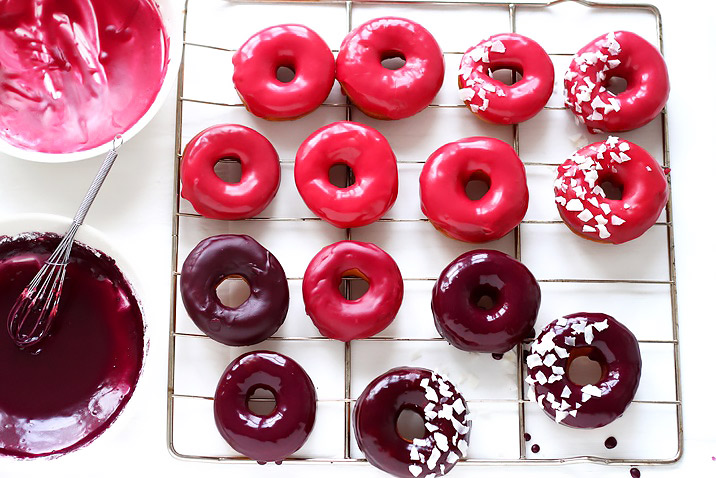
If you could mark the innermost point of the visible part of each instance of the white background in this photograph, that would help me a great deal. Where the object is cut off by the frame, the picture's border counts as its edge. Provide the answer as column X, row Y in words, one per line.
column 134, row 209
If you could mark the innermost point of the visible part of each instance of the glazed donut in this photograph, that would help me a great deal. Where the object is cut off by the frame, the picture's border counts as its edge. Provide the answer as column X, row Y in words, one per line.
column 295, row 47
column 271, row 437
column 374, row 167
column 430, row 395
column 378, row 91
column 442, row 189
column 492, row 100
column 616, row 54
column 583, row 204
column 602, row 339
column 339, row 318
column 512, row 289
column 215, row 198
column 218, row 257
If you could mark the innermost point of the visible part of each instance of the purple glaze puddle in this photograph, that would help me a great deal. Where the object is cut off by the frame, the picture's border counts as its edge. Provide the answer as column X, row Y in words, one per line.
column 77, row 72
column 527, row 436
column 535, row 448
column 635, row 473
column 497, row 356
column 610, row 442
column 69, row 389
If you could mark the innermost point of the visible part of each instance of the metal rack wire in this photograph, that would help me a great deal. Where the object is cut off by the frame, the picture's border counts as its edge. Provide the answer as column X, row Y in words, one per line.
column 520, row 399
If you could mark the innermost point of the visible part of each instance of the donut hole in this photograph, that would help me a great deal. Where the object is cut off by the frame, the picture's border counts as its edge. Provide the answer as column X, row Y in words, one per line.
column 261, row 401
column 613, row 187
column 410, row 424
column 392, row 60
column 233, row 291
column 354, row 285
column 477, row 185
column 586, row 366
column 484, row 297
column 506, row 75
column 341, row 175
column 229, row 170
column 285, row 73
column 616, row 85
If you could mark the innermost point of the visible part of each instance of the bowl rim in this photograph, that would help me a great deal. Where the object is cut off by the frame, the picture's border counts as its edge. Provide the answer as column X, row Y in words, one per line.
column 173, row 18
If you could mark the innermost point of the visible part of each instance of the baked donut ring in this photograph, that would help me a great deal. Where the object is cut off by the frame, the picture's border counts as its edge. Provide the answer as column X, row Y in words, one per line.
column 215, row 198
column 295, row 47
column 583, row 203
column 432, row 396
column 286, row 428
column 492, row 100
column 219, row 257
column 378, row 91
column 616, row 54
column 604, row 340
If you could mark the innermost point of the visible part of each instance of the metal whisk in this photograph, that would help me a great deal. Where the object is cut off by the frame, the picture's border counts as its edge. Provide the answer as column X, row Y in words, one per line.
column 31, row 316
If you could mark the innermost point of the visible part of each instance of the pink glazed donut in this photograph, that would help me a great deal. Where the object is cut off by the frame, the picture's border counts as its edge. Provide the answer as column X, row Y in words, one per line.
column 490, row 99
column 442, row 189
column 295, row 47
column 339, row 318
column 374, row 167
column 621, row 54
column 378, row 91
column 215, row 198
column 584, row 205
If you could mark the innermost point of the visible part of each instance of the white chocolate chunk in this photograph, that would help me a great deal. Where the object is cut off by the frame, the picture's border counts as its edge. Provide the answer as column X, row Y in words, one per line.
column 574, row 205
column 458, row 406
column 541, row 378
column 606, row 208
column 592, row 390
column 566, row 392
column 585, row 215
column 549, row 359
column 433, row 460
column 415, row 470
column 462, row 446
column 560, row 415
column 452, row 457
column 466, row 94
column 617, row 221
column 431, row 395
column 441, row 441
column 601, row 325
column 497, row 46
column 414, row 453
column 557, row 370
column 603, row 233
column 570, row 340
column 430, row 427
column 587, row 228
column 534, row 360
column 561, row 352
column 612, row 141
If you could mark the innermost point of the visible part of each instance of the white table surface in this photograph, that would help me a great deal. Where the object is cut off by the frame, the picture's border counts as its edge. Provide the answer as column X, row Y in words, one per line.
column 134, row 210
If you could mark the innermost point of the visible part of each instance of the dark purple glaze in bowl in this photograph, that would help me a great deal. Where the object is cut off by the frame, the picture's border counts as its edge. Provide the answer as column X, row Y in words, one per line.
column 219, row 257
column 282, row 432
column 509, row 285
column 433, row 397
column 64, row 392
column 604, row 340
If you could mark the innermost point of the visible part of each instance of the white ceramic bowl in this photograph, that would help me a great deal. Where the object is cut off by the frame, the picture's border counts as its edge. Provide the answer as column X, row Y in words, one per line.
column 173, row 16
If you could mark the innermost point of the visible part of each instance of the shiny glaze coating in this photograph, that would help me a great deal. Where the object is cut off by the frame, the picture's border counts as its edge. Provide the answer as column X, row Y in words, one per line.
column 512, row 288
column 339, row 318
column 63, row 393
column 215, row 198
column 374, row 166
column 432, row 396
column 271, row 437
column 601, row 338
column 77, row 72
column 616, row 54
column 219, row 257
column 378, row 91
column 292, row 46
column 490, row 99
column 583, row 204
column 442, row 189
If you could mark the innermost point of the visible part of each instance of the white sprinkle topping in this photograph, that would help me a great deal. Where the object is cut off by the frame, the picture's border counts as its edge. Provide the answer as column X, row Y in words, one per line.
column 593, row 201
column 566, row 392
column 431, row 395
column 452, row 457
column 462, row 446
column 574, row 205
column 570, row 340
column 557, row 370
column 433, row 460
column 497, row 46
column 603, row 233
column 600, row 219
column 617, row 221
column 585, row 397
column 601, row 325
column 541, row 378
column 414, row 453
column 441, row 441
column 534, row 360
column 458, row 406
column 573, row 413
column 606, row 208
column 415, row 470
column 560, row 415
column 466, row 94
column 587, row 228
column 430, row 427
column 592, row 390
column 623, row 146
column 561, row 352
column 585, row 215
column 589, row 333
column 612, row 141
column 549, row 359
column 540, row 401
column 554, row 378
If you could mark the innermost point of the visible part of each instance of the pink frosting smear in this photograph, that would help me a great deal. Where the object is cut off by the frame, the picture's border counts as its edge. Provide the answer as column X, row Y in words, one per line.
column 75, row 73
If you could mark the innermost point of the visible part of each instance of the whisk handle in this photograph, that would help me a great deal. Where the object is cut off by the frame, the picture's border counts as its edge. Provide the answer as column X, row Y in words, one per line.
column 96, row 185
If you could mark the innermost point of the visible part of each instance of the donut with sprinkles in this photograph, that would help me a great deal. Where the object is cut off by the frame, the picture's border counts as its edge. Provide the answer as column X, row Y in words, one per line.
column 640, row 196
column 616, row 54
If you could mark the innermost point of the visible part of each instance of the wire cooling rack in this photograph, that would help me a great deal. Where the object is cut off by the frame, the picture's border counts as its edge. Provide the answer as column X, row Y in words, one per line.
column 512, row 10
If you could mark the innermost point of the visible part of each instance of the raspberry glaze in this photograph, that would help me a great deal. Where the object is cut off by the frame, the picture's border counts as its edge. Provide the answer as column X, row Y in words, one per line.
column 378, row 91
column 77, row 72
column 66, row 391
column 494, row 101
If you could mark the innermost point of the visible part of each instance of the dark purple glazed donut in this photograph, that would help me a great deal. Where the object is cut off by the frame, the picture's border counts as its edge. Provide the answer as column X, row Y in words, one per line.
column 458, row 307
column 423, row 391
column 271, row 437
column 604, row 340
column 219, row 257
